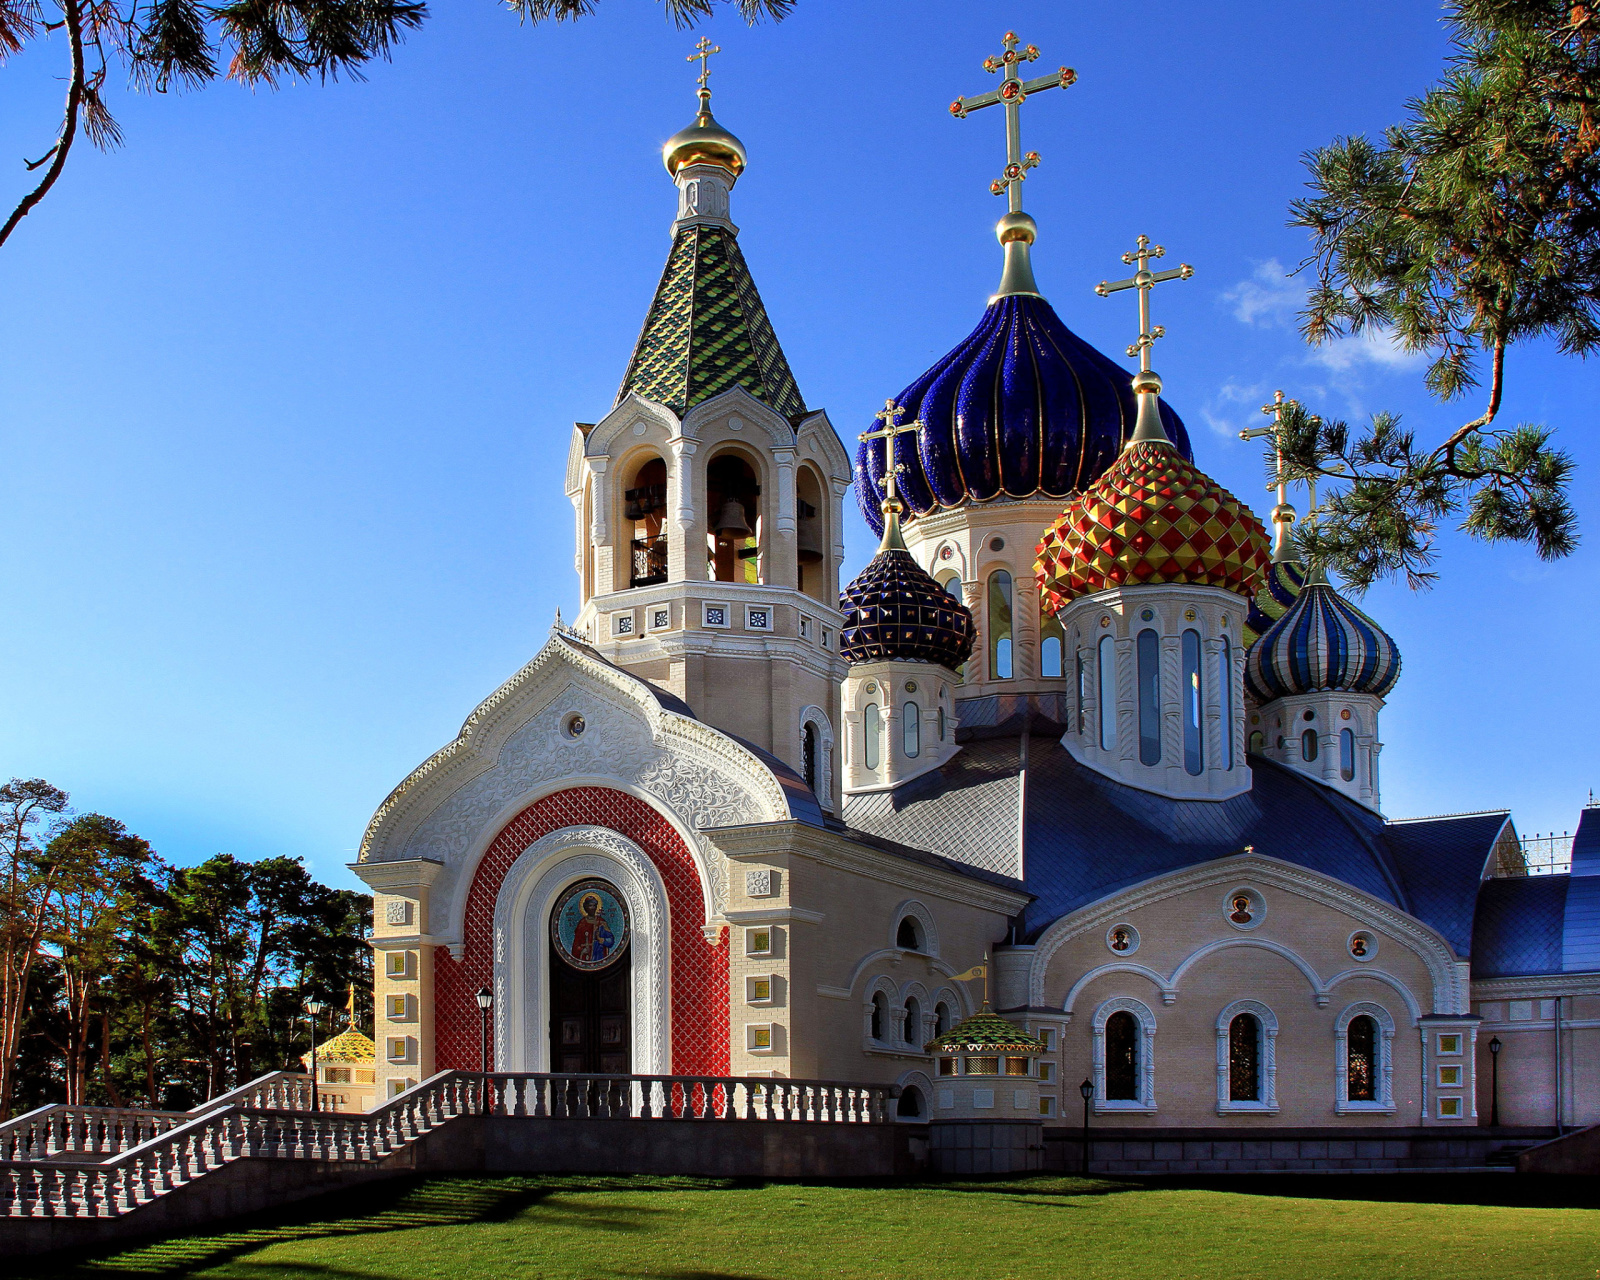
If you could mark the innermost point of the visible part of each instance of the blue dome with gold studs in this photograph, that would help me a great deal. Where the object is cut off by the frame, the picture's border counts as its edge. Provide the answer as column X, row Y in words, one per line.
column 1322, row 642
column 1023, row 407
column 895, row 612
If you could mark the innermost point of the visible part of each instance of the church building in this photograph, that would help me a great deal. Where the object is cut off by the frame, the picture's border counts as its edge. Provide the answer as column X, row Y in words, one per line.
column 1081, row 747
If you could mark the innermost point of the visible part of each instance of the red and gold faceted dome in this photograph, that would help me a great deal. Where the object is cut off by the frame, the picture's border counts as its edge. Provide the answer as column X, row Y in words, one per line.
column 1152, row 517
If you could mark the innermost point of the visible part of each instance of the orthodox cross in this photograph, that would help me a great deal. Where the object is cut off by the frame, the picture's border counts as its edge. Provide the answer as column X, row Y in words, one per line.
column 1144, row 280
column 1281, row 514
column 703, row 51
column 890, row 429
column 1012, row 93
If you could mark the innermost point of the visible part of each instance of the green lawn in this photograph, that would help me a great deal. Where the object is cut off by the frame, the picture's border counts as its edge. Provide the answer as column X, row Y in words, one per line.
column 1373, row 1227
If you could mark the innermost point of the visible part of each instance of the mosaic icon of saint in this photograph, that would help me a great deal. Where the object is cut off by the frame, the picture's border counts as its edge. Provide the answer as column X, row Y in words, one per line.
column 1358, row 946
column 1120, row 941
column 592, row 938
column 1241, row 913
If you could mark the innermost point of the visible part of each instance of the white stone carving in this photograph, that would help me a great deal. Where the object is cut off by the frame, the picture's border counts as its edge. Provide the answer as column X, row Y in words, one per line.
column 758, row 884
column 522, row 939
column 1266, row 1061
column 397, row 911
column 1145, row 1103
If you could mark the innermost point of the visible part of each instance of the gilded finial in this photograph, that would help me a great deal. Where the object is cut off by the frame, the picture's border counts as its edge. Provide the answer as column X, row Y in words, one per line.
column 705, row 141
column 703, row 51
column 1016, row 231
column 1146, row 383
column 891, row 506
column 1283, row 515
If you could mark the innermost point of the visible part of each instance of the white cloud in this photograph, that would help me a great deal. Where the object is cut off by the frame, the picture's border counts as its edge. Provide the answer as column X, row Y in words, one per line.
column 1377, row 347
column 1234, row 407
column 1268, row 298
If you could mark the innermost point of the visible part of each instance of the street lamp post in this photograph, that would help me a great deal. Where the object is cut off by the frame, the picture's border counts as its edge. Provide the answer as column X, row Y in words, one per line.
column 314, row 1010
column 1494, row 1075
column 485, row 1003
column 1087, row 1090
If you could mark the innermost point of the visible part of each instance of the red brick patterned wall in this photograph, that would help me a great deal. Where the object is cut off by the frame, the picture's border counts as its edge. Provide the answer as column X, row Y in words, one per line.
column 699, row 973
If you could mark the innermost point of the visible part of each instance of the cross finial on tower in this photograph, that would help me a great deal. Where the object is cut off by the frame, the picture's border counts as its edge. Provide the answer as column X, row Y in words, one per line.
column 1144, row 280
column 891, row 429
column 1283, row 514
column 1012, row 93
column 703, row 50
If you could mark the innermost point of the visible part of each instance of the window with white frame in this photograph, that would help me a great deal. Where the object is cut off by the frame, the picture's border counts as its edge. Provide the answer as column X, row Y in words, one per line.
column 758, row 617
column 1247, row 1059
column 1364, row 1060
column 1124, row 1057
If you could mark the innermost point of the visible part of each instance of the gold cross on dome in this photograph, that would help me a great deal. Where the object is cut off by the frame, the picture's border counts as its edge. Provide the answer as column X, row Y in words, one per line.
column 1276, row 408
column 890, row 430
column 703, row 51
column 1012, row 93
column 1144, row 280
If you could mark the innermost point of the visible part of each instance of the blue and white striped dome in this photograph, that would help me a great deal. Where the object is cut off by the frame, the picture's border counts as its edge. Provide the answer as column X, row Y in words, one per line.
column 1322, row 642
column 1023, row 407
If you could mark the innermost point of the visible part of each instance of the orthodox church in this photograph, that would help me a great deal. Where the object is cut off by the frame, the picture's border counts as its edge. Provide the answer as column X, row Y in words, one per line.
column 1082, row 760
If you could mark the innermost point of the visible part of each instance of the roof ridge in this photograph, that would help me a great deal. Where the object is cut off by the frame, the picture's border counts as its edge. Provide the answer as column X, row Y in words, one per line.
column 1443, row 817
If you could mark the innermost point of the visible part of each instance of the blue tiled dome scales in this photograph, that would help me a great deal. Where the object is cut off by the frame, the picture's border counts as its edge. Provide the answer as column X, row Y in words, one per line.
column 893, row 610
column 1022, row 407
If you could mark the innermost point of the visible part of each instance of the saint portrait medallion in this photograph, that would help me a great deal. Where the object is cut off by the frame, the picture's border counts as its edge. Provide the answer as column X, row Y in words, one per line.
column 590, row 924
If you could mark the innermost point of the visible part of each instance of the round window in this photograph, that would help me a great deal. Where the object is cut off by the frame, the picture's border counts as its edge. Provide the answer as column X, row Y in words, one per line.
column 997, row 544
column 1363, row 945
column 573, row 726
column 1148, row 615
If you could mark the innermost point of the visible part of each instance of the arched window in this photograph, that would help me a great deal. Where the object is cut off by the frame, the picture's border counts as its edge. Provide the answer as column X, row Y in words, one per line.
column 871, row 735
column 913, row 1032
column 1000, row 625
column 941, row 724
column 911, row 729
column 1108, row 693
column 909, row 1105
column 811, row 534
column 733, row 535
column 1361, row 1059
column 1122, row 1056
column 1308, row 745
column 1347, row 755
column 1258, row 742
column 1244, row 1059
column 1225, row 689
column 644, row 506
column 808, row 752
column 1079, row 693
column 941, row 1019
column 1149, row 697
column 1193, row 753
column 908, row 935
column 1051, row 640
column 880, row 1014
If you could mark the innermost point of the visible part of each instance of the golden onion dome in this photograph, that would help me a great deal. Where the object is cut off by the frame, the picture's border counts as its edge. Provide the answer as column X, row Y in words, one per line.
column 704, row 142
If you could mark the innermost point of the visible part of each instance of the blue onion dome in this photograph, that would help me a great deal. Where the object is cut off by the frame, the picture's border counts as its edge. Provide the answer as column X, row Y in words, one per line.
column 895, row 611
column 1275, row 594
column 1023, row 407
column 1322, row 642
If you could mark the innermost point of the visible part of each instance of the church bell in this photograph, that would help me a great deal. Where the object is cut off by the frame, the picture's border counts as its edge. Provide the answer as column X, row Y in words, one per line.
column 731, row 525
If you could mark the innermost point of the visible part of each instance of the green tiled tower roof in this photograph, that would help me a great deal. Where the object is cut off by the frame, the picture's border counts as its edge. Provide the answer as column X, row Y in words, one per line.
column 984, row 1032
column 707, row 331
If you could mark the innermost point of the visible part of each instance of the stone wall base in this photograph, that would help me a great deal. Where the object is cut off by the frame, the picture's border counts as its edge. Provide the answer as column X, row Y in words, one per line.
column 985, row 1146
column 1207, row 1151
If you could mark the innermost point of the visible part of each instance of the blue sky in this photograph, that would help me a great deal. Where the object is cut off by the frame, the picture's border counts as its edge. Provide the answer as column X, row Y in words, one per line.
column 286, row 382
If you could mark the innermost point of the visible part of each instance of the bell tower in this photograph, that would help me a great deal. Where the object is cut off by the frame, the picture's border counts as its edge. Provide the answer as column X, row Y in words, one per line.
column 708, row 502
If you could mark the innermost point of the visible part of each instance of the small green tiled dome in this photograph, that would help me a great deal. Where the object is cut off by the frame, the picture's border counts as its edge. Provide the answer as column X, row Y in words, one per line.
column 984, row 1032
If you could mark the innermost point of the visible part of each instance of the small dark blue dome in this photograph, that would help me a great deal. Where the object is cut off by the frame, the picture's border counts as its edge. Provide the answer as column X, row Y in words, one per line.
column 895, row 612
column 1322, row 642
column 1023, row 406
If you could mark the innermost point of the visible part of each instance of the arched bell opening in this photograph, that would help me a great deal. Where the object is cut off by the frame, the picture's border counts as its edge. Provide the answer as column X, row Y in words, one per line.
column 811, row 540
column 644, row 511
column 733, row 540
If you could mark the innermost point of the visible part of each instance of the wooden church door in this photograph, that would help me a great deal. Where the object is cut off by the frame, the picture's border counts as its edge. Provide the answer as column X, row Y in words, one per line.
column 591, row 982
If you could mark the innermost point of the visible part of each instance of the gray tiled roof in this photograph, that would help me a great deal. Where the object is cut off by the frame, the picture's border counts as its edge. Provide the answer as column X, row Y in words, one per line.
column 1087, row 837
column 1518, row 926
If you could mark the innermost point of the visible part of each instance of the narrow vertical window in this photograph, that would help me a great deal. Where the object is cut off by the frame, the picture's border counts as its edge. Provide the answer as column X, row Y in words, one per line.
column 1258, row 742
column 880, row 1008
column 1000, row 625
column 1361, row 1060
column 1347, row 755
column 1225, row 690
column 941, row 724
column 1108, row 693
column 808, row 752
column 1051, row 640
column 1308, row 745
column 913, row 1031
column 1122, row 1057
column 871, row 731
column 911, row 722
column 1078, row 692
column 1149, row 697
column 1244, row 1059
column 1193, row 750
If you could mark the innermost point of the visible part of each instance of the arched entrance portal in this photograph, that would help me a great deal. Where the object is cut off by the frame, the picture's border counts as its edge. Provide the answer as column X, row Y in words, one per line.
column 591, row 978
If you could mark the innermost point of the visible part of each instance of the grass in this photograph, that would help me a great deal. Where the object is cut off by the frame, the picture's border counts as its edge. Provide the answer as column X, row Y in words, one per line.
column 574, row 1228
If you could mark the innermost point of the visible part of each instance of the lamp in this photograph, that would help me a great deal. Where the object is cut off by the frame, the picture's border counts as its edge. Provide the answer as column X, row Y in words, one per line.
column 1087, row 1090
column 1494, row 1096
column 485, row 999
column 314, row 1009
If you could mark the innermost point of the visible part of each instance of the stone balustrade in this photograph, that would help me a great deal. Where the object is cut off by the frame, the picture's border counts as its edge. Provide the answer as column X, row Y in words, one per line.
column 601, row 1097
